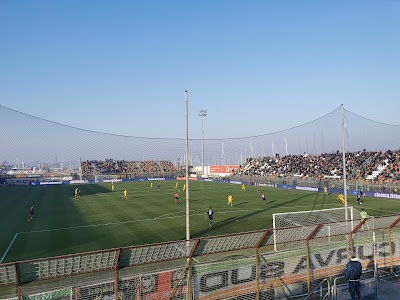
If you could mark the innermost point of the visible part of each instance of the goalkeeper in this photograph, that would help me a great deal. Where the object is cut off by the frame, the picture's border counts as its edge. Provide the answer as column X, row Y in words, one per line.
column 341, row 198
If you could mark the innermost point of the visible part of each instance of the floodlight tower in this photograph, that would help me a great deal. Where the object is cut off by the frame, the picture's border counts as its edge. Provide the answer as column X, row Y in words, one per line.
column 202, row 114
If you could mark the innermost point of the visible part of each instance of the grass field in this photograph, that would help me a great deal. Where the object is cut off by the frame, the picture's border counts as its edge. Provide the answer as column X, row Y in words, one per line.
column 103, row 219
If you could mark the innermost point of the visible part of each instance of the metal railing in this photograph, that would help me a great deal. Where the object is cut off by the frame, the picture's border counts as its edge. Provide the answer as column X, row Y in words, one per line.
column 368, row 281
column 324, row 292
column 244, row 265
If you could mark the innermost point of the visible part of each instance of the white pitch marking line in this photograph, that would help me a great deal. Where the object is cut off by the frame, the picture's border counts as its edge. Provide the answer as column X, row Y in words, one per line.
column 9, row 246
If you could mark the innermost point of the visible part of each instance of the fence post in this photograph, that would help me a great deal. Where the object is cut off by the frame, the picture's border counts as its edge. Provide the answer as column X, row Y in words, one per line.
column 350, row 235
column 190, row 265
column 190, row 276
column 308, row 256
column 116, row 273
column 18, row 274
column 308, row 267
column 390, row 250
column 390, row 242
column 257, row 263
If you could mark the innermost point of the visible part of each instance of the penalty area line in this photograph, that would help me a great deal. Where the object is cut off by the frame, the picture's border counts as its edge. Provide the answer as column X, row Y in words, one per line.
column 104, row 224
column 8, row 248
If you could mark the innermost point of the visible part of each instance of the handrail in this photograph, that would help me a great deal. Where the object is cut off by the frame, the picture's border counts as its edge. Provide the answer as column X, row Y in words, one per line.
column 319, row 286
column 364, row 277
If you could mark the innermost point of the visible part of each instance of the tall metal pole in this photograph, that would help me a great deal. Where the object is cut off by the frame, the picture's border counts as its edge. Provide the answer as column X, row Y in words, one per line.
column 202, row 114
column 346, row 216
column 187, row 169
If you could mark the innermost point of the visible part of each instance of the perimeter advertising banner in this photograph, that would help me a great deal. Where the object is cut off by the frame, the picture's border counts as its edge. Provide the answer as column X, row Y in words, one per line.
column 61, row 294
column 224, row 169
column 152, row 286
column 237, row 278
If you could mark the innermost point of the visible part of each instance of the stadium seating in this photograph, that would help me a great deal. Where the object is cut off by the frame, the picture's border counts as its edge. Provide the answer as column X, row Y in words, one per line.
column 372, row 166
column 123, row 167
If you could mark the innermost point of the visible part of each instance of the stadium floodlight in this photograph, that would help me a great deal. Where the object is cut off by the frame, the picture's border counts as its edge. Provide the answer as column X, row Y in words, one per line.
column 202, row 114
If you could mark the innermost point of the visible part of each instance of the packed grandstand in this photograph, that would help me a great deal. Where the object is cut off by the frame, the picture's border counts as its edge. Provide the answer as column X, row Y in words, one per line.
column 375, row 167
column 136, row 168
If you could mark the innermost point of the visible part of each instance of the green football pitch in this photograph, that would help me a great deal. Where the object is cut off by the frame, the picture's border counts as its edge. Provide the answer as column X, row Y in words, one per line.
column 103, row 219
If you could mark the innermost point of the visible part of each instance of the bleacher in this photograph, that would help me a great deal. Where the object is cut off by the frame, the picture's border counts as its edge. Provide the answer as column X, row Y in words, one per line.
column 363, row 166
column 123, row 167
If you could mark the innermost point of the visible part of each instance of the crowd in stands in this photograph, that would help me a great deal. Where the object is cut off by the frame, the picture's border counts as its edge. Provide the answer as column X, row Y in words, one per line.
column 123, row 167
column 359, row 166
column 373, row 166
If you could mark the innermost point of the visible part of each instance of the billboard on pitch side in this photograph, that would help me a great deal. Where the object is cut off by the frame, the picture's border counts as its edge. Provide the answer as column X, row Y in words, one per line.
column 224, row 169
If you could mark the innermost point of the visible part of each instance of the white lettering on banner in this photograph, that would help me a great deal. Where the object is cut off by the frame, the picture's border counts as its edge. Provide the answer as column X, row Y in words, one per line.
column 210, row 180
column 384, row 195
column 50, row 182
column 235, row 182
column 306, row 188
column 222, row 278
column 78, row 181
column 112, row 180
column 267, row 184
column 155, row 178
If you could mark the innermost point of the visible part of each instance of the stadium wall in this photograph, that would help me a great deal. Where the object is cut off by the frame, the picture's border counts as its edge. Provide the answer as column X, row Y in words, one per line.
column 249, row 265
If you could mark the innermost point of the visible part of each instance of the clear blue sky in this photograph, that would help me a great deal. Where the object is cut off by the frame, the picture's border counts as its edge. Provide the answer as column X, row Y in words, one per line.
column 257, row 66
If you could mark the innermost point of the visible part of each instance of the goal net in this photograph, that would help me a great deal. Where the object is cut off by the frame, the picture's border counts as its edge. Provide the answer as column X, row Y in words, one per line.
column 311, row 217
column 286, row 225
column 105, row 178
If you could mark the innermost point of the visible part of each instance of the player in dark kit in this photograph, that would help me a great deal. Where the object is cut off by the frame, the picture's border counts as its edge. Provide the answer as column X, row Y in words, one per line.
column 359, row 197
column 263, row 198
column 77, row 194
column 31, row 213
column 176, row 197
column 210, row 214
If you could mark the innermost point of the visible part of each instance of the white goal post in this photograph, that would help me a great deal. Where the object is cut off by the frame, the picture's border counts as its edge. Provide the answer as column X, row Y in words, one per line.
column 105, row 178
column 306, row 218
column 311, row 217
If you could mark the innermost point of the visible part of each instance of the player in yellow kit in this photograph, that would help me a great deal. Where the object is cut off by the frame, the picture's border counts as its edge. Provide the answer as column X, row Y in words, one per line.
column 243, row 188
column 125, row 194
column 341, row 198
column 230, row 200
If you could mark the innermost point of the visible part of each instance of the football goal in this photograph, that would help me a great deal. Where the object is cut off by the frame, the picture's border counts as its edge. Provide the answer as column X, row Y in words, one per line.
column 311, row 217
column 286, row 225
column 106, row 178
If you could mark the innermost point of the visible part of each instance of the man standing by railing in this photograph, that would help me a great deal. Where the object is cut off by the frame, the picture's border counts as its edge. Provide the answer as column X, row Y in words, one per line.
column 353, row 273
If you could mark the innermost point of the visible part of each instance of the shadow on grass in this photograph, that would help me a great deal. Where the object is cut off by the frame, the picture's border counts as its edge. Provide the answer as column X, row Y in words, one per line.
column 218, row 226
column 59, row 226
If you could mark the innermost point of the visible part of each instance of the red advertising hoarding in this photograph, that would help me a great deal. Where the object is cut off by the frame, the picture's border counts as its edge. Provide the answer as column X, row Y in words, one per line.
column 225, row 169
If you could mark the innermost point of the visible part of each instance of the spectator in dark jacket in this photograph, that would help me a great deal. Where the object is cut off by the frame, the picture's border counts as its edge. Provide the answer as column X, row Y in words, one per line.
column 353, row 273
